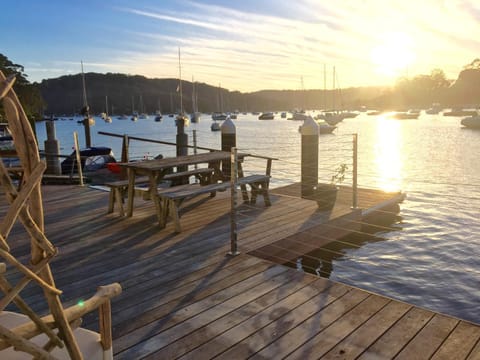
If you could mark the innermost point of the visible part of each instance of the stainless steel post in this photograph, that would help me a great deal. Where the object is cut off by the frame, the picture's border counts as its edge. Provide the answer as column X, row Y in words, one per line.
column 195, row 146
column 354, row 181
column 233, row 210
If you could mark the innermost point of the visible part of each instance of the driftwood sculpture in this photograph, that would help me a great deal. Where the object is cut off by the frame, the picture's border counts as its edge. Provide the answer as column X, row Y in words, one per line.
column 27, row 208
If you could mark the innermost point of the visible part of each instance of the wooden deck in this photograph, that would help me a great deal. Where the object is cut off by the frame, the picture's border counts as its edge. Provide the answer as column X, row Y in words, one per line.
column 184, row 298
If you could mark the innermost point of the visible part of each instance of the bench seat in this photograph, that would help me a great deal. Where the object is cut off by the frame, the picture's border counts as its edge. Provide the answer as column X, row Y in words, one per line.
column 118, row 188
column 172, row 198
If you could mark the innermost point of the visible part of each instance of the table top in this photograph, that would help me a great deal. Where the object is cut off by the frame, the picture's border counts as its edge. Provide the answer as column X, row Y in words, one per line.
column 160, row 164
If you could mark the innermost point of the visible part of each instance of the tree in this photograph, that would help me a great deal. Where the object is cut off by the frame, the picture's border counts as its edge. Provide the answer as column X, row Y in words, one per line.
column 475, row 64
column 28, row 94
column 10, row 68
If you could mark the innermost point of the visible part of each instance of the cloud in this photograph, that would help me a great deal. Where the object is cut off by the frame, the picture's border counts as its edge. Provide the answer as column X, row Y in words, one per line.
column 247, row 49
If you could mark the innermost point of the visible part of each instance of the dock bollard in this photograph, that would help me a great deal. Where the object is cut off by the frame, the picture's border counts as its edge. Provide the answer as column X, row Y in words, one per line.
column 309, row 170
column 229, row 141
column 52, row 150
column 182, row 142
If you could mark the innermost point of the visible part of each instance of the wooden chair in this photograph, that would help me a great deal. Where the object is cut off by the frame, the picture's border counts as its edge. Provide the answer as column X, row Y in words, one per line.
column 24, row 334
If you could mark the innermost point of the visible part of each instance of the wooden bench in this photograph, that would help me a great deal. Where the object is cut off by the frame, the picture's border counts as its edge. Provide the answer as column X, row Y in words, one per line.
column 172, row 198
column 118, row 189
column 259, row 185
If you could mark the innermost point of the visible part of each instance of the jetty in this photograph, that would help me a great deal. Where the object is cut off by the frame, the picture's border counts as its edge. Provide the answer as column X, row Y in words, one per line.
column 184, row 297
column 219, row 288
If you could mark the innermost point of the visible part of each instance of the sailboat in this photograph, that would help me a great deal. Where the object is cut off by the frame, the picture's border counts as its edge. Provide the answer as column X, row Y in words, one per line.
column 332, row 117
column 143, row 114
column 195, row 116
column 86, row 109
column 181, row 116
column 134, row 113
column 106, row 118
column 218, row 116
column 158, row 113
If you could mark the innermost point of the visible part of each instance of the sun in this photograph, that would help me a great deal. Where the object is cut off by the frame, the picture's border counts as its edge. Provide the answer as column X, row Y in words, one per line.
column 394, row 53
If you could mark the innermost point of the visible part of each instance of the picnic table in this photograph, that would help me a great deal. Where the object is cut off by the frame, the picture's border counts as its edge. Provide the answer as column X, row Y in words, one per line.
column 171, row 198
column 157, row 169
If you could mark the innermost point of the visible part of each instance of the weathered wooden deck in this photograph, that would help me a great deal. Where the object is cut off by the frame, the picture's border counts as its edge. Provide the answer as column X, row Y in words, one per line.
column 183, row 297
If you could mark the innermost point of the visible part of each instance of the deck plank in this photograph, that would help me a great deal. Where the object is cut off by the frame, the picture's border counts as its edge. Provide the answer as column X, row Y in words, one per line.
column 302, row 303
column 326, row 339
column 220, row 328
column 313, row 319
column 359, row 340
column 395, row 339
column 459, row 344
column 202, row 312
column 429, row 339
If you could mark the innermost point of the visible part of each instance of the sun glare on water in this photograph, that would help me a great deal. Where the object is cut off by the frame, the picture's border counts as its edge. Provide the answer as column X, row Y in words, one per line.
column 392, row 56
column 389, row 155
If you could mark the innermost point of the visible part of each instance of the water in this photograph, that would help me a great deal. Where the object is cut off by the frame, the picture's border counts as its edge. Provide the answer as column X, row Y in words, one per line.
column 430, row 256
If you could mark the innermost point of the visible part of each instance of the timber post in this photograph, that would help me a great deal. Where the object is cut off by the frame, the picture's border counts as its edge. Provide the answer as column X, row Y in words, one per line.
column 309, row 159
column 182, row 141
column 86, row 125
column 52, row 150
column 125, row 158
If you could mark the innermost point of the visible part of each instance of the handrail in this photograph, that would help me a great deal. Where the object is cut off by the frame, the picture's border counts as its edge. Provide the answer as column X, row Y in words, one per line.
column 154, row 141
column 262, row 157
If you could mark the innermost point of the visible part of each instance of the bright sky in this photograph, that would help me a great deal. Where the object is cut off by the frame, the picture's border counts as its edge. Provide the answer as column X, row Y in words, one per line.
column 244, row 45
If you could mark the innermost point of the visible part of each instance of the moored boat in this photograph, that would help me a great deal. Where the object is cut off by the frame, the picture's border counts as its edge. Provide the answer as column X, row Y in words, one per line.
column 326, row 128
column 472, row 122
column 298, row 116
column 331, row 117
column 92, row 159
column 219, row 116
column 404, row 115
column 266, row 116
column 460, row 112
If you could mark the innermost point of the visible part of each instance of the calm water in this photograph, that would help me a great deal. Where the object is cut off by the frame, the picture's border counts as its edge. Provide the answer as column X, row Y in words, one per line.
column 430, row 257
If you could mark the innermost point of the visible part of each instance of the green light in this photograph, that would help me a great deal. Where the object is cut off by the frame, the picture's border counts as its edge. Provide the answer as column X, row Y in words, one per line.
column 80, row 303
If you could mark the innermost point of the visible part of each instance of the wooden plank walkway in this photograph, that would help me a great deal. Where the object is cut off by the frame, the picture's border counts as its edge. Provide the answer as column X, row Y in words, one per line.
column 184, row 298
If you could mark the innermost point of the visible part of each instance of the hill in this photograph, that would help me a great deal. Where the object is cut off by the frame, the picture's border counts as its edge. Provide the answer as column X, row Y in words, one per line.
column 125, row 93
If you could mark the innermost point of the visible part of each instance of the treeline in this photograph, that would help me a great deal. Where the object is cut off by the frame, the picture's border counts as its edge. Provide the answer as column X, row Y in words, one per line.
column 28, row 94
column 64, row 95
column 137, row 93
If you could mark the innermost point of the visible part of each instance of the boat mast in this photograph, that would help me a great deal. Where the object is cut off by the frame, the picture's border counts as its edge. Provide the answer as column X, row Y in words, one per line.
column 84, row 87
column 194, row 97
column 333, row 95
column 180, row 84
column 85, row 111
column 324, row 87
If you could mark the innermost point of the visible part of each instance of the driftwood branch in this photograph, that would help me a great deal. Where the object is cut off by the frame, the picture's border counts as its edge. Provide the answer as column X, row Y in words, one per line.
column 103, row 294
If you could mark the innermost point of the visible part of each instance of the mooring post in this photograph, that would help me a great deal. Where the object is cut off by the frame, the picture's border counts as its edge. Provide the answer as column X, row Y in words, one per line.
column 309, row 159
column 86, row 124
column 233, row 207
column 52, row 150
column 355, row 173
column 182, row 140
column 125, row 157
column 229, row 141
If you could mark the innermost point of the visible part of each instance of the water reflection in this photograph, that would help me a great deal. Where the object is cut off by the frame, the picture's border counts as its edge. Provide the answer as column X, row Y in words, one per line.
column 321, row 261
column 388, row 155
